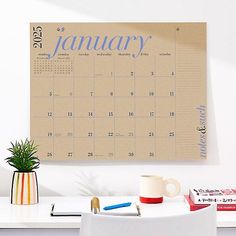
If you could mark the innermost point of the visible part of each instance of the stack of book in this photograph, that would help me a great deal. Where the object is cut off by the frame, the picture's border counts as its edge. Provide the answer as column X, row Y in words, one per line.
column 200, row 198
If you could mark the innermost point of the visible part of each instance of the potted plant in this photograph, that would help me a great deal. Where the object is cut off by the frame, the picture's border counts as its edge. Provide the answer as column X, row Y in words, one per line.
column 24, row 189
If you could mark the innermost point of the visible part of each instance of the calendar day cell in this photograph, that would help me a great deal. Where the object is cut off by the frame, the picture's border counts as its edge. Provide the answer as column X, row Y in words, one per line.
column 84, row 87
column 145, row 149
column 63, row 107
column 145, row 107
column 63, row 87
column 124, row 127
column 165, row 127
column 83, row 66
column 42, row 87
column 64, row 148
column 84, row 128
column 124, row 107
column 165, row 87
column 104, row 107
column 124, row 66
column 187, row 149
column 166, row 65
column 124, row 87
column 145, row 87
column 41, row 127
column 104, row 149
column 84, row 107
column 41, row 107
column 104, row 127
column 84, row 149
column 45, row 148
column 104, row 87
column 63, row 127
column 145, row 66
column 165, row 54
column 145, row 127
column 125, row 148
column 165, row 107
column 165, row 148
column 103, row 67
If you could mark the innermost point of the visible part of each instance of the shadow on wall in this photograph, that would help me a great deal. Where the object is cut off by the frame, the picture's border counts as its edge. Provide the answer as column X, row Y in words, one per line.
column 157, row 10
column 5, row 185
column 90, row 182
column 88, row 185
column 102, row 10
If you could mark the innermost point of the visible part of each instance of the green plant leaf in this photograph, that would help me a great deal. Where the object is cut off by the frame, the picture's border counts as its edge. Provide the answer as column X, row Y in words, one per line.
column 23, row 156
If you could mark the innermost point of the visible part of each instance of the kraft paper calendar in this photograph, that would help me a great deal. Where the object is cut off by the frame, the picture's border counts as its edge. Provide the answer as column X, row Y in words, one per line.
column 118, row 91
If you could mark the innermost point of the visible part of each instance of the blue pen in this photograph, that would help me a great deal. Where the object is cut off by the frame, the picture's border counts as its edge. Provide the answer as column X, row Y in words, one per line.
column 126, row 204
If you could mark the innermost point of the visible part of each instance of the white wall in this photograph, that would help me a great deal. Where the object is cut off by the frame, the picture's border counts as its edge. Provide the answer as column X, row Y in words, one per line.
column 68, row 178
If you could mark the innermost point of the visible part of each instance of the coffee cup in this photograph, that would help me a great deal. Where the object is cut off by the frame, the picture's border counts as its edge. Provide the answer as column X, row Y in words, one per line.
column 153, row 188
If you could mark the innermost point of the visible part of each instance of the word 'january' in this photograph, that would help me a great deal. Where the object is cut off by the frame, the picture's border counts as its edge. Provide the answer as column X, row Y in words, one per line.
column 98, row 43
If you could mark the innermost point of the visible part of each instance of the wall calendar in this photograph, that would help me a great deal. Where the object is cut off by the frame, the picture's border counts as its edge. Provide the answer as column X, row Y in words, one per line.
column 118, row 91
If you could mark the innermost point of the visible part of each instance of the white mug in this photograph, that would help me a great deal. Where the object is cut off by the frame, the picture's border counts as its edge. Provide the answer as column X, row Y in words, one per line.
column 153, row 188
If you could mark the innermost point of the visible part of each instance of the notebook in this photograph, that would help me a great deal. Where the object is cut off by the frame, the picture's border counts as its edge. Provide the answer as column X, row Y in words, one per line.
column 72, row 209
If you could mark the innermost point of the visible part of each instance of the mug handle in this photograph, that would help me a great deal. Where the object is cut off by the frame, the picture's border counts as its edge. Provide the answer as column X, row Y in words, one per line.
column 173, row 182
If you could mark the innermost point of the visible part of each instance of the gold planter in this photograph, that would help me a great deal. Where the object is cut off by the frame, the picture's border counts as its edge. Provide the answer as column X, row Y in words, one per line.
column 24, row 189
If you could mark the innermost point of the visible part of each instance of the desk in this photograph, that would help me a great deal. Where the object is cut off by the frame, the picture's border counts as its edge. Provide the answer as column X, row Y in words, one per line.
column 36, row 218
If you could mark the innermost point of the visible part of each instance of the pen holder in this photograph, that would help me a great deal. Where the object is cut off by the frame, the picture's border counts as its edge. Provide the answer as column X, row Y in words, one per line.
column 24, row 190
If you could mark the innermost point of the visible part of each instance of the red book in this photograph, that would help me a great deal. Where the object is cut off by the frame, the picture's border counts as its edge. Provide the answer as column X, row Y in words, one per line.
column 220, row 207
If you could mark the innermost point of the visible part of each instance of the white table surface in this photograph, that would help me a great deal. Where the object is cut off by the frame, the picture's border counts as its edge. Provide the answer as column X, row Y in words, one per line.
column 38, row 216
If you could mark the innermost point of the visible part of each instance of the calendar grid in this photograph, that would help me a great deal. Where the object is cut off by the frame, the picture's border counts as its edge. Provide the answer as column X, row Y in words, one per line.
column 140, row 99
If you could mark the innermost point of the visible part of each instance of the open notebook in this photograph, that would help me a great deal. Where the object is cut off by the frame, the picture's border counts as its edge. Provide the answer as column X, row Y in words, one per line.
column 70, row 209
